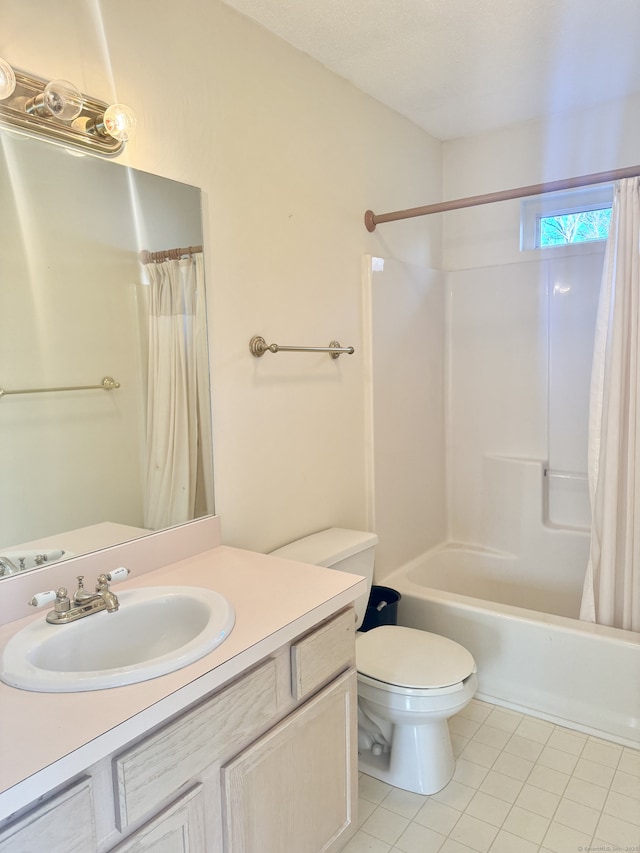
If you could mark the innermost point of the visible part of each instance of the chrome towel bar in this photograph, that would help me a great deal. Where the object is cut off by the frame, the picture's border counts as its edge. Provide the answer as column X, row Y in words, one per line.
column 107, row 384
column 258, row 346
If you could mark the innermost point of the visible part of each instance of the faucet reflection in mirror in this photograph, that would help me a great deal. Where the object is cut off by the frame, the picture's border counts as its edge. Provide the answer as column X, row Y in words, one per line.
column 60, row 112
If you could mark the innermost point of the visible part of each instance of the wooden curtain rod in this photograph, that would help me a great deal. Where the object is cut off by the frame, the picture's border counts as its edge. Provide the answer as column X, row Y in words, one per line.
column 147, row 257
column 372, row 219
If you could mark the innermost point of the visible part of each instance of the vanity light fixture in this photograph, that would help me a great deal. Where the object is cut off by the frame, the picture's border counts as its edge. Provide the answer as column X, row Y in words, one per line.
column 61, row 113
column 7, row 80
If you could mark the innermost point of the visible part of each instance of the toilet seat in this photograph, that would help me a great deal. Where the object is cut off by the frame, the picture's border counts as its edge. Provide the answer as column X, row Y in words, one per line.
column 412, row 662
column 408, row 694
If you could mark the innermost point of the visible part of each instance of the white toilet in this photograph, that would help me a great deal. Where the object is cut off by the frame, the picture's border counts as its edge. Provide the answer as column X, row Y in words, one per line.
column 409, row 681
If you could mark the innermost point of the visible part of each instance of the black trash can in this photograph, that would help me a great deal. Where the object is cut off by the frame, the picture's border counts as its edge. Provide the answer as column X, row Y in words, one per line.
column 382, row 608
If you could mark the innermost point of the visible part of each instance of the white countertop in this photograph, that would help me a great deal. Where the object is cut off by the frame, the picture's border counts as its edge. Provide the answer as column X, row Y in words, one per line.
column 45, row 738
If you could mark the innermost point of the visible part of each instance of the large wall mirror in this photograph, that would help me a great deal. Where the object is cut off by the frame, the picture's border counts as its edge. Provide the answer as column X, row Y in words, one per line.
column 84, row 468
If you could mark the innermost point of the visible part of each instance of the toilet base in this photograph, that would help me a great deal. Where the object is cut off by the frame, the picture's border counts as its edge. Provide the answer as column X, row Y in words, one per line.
column 420, row 759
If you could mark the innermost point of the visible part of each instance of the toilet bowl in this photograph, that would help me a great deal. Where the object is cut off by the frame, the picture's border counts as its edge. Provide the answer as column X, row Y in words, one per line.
column 409, row 681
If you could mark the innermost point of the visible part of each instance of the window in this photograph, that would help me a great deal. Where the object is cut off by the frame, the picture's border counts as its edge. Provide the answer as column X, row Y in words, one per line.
column 562, row 228
column 569, row 217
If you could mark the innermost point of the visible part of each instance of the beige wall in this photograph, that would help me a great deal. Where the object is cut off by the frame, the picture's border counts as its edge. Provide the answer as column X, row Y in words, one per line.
column 289, row 156
column 406, row 347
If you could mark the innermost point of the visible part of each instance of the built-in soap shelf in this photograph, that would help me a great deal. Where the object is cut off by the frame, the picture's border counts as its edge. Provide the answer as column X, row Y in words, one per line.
column 567, row 499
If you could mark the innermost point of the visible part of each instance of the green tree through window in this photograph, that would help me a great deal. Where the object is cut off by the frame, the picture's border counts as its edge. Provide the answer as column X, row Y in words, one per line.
column 580, row 227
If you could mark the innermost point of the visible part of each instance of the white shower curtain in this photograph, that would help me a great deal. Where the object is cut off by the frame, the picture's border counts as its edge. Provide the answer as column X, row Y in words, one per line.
column 177, row 395
column 204, row 487
column 611, row 593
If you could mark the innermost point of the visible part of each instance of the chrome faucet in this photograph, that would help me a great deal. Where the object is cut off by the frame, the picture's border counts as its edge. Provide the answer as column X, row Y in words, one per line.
column 82, row 603
column 81, row 596
column 7, row 567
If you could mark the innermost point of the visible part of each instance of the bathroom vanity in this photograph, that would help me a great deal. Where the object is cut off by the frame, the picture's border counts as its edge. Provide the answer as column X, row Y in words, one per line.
column 251, row 748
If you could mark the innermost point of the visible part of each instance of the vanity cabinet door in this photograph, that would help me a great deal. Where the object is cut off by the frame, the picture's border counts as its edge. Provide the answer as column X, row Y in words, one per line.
column 177, row 829
column 294, row 789
column 59, row 825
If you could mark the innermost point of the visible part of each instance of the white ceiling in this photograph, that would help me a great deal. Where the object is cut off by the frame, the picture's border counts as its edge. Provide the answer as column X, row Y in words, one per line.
column 461, row 67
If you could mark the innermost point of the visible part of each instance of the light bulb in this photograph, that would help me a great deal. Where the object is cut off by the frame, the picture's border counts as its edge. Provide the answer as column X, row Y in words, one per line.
column 59, row 99
column 62, row 100
column 119, row 121
column 7, row 80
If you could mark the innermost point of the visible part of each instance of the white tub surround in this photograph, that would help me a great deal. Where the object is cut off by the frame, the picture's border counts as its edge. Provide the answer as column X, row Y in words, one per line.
column 580, row 675
column 46, row 740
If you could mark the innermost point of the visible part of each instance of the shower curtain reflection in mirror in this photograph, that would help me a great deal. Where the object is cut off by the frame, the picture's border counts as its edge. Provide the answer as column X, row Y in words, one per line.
column 178, row 486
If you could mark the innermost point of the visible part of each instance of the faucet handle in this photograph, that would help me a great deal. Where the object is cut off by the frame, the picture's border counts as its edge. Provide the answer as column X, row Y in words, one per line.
column 62, row 601
column 42, row 598
column 119, row 574
column 110, row 599
column 60, row 597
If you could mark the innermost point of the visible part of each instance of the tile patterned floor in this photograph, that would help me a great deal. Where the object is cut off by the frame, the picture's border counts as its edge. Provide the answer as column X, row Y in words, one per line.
column 521, row 785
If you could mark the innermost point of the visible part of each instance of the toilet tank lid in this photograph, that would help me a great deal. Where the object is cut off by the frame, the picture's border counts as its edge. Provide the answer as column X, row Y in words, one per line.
column 327, row 547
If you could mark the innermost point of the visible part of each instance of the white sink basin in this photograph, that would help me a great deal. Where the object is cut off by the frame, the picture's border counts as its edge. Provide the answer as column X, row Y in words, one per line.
column 155, row 631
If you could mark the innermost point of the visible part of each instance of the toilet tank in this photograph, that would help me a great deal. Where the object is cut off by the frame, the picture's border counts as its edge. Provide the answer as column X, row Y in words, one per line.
column 340, row 549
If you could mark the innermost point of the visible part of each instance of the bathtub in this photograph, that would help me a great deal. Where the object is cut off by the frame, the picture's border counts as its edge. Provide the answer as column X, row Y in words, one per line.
column 537, row 658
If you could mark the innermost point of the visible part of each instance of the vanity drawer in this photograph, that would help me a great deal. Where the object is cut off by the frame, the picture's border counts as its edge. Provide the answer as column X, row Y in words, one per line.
column 324, row 652
column 62, row 823
column 155, row 768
